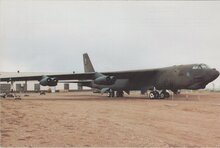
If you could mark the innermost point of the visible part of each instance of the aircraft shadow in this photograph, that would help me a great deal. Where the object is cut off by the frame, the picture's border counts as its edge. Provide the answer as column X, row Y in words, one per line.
column 82, row 98
column 96, row 98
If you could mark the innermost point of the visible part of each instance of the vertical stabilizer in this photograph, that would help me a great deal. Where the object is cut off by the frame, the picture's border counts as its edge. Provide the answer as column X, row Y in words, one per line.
column 87, row 63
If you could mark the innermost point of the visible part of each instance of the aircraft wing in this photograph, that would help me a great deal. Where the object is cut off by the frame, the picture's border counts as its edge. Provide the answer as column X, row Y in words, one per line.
column 134, row 74
column 78, row 76
column 76, row 81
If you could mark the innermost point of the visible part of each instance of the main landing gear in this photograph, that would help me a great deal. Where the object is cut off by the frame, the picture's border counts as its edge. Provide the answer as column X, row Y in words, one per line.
column 117, row 94
column 159, row 95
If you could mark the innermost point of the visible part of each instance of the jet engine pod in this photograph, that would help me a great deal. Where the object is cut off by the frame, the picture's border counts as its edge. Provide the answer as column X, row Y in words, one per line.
column 47, row 81
column 105, row 80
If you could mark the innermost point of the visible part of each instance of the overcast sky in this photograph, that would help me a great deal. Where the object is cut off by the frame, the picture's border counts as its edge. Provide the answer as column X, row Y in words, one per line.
column 52, row 35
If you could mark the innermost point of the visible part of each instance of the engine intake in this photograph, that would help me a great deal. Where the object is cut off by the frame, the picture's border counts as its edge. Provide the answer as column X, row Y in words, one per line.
column 47, row 81
column 105, row 80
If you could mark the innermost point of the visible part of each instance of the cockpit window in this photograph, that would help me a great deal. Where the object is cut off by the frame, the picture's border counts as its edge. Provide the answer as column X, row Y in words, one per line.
column 204, row 66
column 201, row 66
column 197, row 67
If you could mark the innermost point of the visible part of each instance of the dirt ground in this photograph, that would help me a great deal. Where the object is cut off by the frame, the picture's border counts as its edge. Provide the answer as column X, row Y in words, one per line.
column 86, row 119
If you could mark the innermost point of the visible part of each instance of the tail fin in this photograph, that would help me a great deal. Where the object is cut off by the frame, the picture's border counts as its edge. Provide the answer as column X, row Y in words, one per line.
column 87, row 63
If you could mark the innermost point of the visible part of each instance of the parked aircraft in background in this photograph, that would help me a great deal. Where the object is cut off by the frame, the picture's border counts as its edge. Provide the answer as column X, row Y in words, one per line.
column 193, row 76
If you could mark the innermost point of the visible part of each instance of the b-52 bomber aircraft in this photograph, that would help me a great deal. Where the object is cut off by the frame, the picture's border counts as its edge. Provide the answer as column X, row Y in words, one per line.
column 158, row 81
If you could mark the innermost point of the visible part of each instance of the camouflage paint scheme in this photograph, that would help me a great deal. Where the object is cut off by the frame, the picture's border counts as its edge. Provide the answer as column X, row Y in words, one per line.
column 193, row 76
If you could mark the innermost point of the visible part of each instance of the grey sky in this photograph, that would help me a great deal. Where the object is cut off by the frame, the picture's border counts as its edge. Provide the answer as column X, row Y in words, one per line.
column 51, row 35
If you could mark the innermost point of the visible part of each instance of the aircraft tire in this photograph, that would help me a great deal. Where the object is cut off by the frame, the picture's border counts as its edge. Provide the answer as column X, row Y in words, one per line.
column 152, row 95
column 119, row 94
column 162, row 95
column 167, row 95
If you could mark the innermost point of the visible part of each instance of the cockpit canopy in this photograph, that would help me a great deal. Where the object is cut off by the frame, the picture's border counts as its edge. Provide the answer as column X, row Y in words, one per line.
column 200, row 66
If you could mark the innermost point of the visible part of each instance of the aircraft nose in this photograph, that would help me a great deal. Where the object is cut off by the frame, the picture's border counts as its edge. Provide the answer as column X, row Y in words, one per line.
column 215, row 74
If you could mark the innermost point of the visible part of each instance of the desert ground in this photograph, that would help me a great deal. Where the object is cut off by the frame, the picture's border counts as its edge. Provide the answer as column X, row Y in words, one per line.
column 86, row 119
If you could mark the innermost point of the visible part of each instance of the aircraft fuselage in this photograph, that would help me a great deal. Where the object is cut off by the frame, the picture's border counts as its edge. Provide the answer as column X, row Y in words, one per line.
column 173, row 78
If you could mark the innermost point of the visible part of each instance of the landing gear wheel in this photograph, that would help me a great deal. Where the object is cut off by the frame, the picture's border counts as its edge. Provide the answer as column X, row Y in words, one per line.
column 167, row 95
column 162, row 95
column 119, row 94
column 151, row 95
column 154, row 95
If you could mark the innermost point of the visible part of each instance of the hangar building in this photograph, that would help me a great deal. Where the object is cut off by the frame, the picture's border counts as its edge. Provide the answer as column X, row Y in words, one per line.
column 32, row 86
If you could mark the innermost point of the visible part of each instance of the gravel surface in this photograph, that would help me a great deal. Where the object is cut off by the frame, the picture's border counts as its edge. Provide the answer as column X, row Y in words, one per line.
column 86, row 119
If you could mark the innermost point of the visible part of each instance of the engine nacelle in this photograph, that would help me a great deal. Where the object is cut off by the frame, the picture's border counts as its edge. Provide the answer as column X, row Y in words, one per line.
column 105, row 80
column 47, row 81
